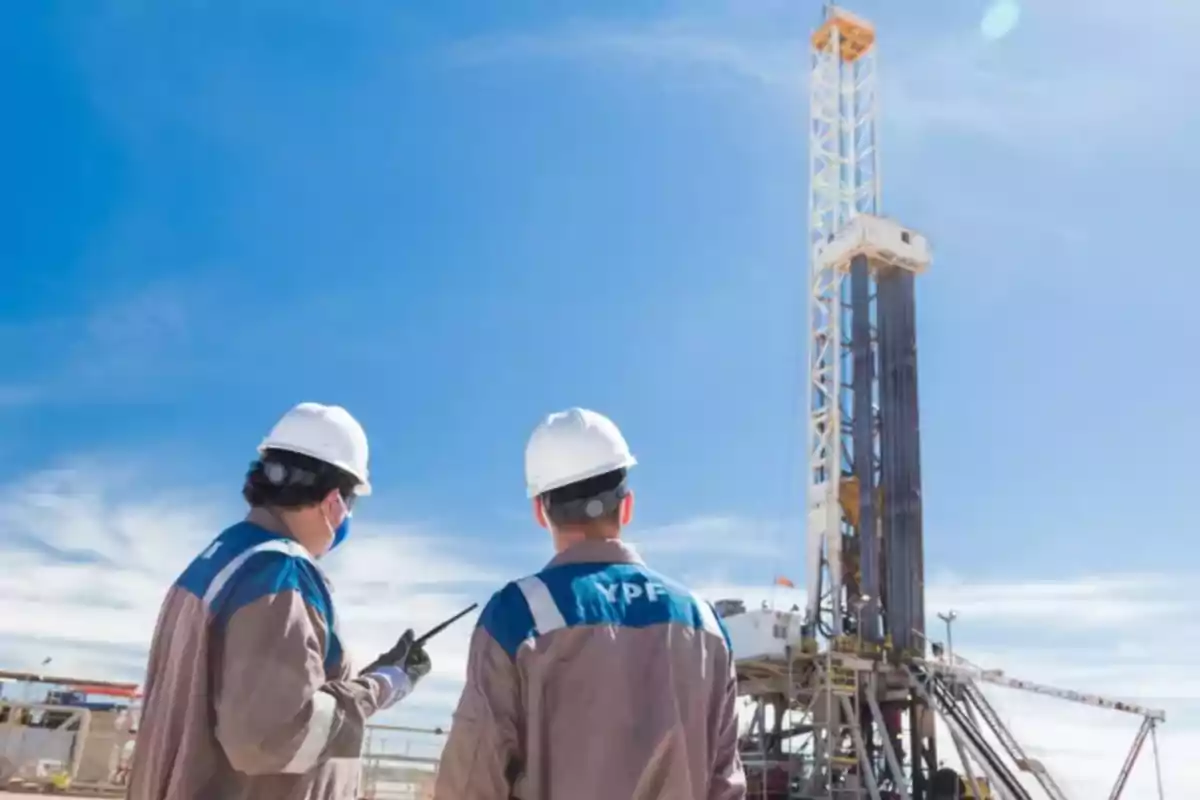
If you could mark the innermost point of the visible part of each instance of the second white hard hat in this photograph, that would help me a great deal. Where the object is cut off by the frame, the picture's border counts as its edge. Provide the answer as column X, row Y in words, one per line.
column 326, row 433
column 571, row 446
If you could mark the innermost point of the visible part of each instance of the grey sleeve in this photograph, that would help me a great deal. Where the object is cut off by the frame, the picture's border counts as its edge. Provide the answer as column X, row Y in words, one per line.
column 275, row 711
column 483, row 749
column 728, row 778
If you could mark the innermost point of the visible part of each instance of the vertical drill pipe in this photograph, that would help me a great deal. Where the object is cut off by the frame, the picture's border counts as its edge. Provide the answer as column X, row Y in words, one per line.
column 901, row 453
column 901, row 489
column 864, row 446
column 896, row 568
column 912, row 423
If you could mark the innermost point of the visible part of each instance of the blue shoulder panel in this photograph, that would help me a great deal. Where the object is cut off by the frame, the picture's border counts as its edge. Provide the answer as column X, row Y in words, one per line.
column 507, row 619
column 624, row 595
column 261, row 574
column 628, row 595
column 230, row 544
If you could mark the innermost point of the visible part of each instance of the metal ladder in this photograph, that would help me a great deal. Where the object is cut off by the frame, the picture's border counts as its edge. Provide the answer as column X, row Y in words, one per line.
column 844, row 772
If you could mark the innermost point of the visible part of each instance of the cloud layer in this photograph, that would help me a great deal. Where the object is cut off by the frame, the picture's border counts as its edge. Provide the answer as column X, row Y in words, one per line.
column 87, row 567
column 1033, row 91
column 88, row 556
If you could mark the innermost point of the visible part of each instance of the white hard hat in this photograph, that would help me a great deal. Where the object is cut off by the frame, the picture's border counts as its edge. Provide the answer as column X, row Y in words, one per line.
column 571, row 446
column 326, row 433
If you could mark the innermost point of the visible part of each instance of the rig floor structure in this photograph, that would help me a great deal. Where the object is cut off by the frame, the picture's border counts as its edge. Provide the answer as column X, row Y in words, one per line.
column 847, row 694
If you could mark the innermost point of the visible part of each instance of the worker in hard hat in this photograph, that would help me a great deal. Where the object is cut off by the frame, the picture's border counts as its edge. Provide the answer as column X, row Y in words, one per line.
column 248, row 692
column 597, row 677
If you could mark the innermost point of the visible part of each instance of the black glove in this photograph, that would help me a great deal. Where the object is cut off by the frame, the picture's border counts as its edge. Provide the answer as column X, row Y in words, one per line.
column 406, row 654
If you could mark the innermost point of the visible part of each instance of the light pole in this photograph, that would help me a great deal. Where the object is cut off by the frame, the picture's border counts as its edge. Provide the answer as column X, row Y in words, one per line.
column 949, row 618
column 27, row 685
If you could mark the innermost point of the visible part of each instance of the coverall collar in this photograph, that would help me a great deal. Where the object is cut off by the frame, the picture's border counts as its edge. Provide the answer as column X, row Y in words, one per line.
column 267, row 521
column 270, row 523
column 608, row 551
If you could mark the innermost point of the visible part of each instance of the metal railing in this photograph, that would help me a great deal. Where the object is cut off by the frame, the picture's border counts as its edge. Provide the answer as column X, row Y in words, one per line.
column 91, row 752
column 400, row 762
column 43, row 745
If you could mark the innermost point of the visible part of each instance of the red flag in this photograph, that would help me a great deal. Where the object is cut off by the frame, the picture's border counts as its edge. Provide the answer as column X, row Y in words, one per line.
column 782, row 581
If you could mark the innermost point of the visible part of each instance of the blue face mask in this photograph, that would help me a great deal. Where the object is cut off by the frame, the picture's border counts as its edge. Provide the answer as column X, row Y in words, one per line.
column 341, row 531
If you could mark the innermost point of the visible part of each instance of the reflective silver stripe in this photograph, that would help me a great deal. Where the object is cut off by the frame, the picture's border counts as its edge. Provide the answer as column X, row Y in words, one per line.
column 319, row 726
column 708, row 617
column 292, row 548
column 396, row 684
column 546, row 616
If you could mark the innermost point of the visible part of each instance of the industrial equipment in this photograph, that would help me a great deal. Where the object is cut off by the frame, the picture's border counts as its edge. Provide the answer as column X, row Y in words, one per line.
column 845, row 696
column 71, row 738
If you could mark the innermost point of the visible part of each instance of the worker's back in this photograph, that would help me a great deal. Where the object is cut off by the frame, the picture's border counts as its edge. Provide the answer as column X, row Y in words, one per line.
column 220, row 719
column 596, row 678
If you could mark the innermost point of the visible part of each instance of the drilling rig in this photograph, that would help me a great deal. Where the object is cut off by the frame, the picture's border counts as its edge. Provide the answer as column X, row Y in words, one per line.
column 846, row 695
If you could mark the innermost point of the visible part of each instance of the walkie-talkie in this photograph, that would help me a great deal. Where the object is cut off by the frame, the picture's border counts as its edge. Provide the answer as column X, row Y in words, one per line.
column 390, row 655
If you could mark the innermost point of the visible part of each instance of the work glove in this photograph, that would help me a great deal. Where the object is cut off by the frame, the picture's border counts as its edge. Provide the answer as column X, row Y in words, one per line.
column 400, row 668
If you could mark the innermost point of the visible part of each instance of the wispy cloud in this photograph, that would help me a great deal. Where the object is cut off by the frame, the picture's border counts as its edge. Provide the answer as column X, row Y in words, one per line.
column 131, row 335
column 1095, row 603
column 1070, row 66
column 123, row 345
column 757, row 540
column 89, row 555
column 776, row 64
column 770, row 62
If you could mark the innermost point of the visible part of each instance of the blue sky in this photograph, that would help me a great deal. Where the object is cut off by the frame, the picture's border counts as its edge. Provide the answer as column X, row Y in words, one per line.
column 453, row 218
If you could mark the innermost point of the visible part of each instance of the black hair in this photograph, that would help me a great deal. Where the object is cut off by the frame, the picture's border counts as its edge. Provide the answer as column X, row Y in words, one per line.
column 590, row 500
column 283, row 479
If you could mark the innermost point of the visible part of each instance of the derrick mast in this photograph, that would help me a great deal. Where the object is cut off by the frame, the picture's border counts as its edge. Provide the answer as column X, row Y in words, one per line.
column 865, row 553
column 843, row 183
column 865, row 559
column 843, row 695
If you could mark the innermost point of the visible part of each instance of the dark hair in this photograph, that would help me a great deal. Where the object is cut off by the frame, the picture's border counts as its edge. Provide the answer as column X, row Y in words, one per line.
column 590, row 500
column 283, row 479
